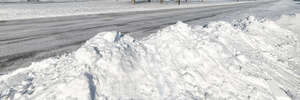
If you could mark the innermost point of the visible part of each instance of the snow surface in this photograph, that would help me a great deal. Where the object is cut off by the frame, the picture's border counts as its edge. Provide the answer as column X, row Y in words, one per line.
column 292, row 23
column 251, row 59
column 13, row 11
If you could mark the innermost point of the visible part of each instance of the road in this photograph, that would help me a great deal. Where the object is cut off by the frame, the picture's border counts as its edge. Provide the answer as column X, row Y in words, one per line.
column 25, row 41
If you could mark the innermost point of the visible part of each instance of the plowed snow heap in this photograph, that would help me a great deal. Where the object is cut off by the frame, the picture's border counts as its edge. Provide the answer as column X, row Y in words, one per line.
column 251, row 59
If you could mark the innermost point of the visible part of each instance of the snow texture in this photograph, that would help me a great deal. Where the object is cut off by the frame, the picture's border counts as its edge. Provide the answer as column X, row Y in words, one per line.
column 251, row 59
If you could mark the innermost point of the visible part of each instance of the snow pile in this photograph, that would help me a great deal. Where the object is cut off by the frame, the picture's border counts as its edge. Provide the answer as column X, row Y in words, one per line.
column 291, row 22
column 251, row 59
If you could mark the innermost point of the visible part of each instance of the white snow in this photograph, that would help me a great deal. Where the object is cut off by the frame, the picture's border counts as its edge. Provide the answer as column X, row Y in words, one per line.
column 250, row 59
column 13, row 11
column 292, row 23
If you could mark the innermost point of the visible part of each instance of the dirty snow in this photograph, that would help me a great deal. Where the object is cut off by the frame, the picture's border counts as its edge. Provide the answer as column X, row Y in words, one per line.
column 250, row 59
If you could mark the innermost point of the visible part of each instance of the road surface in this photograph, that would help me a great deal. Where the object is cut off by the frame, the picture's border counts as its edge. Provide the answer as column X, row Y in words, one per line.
column 24, row 41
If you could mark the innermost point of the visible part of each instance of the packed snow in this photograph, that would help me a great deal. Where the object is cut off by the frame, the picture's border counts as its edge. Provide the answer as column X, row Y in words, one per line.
column 252, row 59
column 13, row 11
column 291, row 22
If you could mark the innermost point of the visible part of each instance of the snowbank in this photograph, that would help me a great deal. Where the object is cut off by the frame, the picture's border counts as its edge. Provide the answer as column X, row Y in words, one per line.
column 250, row 59
column 291, row 22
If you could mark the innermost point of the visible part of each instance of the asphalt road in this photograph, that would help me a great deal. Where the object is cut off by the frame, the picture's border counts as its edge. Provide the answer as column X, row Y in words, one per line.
column 25, row 41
